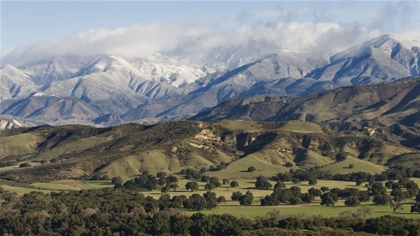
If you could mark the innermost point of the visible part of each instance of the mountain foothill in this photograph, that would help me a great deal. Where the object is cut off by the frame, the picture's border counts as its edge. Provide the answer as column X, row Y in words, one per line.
column 113, row 115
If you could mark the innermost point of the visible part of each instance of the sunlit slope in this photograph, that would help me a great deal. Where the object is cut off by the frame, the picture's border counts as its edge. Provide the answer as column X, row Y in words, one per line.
column 80, row 151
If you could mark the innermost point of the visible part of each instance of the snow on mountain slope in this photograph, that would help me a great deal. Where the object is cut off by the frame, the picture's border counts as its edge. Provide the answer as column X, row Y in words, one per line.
column 57, row 69
column 378, row 60
column 167, row 70
column 114, row 89
column 14, row 83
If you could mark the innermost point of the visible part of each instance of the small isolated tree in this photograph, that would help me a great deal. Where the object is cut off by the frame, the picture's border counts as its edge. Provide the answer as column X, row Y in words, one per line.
column 192, row 186
column 351, row 166
column 25, row 164
column 251, row 169
column 262, row 183
column 312, row 182
column 288, row 164
column 116, row 180
column 364, row 211
column 221, row 199
column 396, row 206
column 226, row 181
column 340, row 157
column 234, row 184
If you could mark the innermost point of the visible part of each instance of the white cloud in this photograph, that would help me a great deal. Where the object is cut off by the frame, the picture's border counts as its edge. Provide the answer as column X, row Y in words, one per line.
column 142, row 40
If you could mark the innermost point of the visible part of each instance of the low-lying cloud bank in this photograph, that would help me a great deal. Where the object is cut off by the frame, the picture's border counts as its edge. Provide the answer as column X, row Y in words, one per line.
column 142, row 40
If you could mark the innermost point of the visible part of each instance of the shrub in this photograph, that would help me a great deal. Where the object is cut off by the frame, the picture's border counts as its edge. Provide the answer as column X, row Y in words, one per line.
column 25, row 164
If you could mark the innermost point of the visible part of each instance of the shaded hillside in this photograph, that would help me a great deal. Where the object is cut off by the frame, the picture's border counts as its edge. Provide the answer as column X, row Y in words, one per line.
column 81, row 151
column 389, row 111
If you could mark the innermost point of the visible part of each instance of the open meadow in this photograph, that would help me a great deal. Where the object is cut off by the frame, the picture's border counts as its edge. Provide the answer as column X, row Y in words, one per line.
column 233, row 207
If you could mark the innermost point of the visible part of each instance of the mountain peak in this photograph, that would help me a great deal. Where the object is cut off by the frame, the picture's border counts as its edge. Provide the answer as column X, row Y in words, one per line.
column 384, row 43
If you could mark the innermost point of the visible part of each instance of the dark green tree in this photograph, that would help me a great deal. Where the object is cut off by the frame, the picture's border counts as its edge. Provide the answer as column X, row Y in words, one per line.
column 192, row 185
column 116, row 180
column 251, row 169
column 328, row 199
column 236, row 195
column 246, row 199
column 234, row 184
column 352, row 201
column 312, row 182
column 262, row 183
column 280, row 184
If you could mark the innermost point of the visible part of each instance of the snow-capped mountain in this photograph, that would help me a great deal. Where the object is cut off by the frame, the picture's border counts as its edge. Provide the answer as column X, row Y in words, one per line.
column 14, row 83
column 112, row 89
column 378, row 60
column 57, row 69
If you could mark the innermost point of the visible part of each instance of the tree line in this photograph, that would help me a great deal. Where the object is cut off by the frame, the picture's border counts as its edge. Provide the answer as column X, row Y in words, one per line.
column 119, row 211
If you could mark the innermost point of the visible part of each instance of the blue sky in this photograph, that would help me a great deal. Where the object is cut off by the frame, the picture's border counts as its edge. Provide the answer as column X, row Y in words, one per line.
column 25, row 23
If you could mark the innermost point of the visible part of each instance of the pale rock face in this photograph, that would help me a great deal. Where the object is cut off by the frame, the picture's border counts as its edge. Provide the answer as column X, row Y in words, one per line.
column 112, row 89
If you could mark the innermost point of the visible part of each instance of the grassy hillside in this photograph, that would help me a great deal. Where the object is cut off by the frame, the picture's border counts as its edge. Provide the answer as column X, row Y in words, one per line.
column 72, row 152
column 388, row 111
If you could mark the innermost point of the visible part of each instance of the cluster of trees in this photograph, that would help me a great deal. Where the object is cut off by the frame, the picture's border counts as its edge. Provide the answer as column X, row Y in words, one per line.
column 211, row 183
column 394, row 173
column 119, row 211
column 401, row 190
column 243, row 199
column 149, row 182
column 197, row 174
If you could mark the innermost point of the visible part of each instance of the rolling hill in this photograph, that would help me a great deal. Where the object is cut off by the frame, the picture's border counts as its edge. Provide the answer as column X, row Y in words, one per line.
column 388, row 111
column 74, row 151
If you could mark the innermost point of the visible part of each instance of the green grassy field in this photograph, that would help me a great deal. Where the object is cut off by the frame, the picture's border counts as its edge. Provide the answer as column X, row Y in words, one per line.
column 19, row 144
column 72, row 147
column 359, row 165
column 230, row 206
column 65, row 185
column 301, row 127
column 22, row 190
column 249, row 126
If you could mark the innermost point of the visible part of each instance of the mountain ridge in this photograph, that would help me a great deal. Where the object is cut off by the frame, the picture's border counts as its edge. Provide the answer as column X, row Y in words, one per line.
column 155, row 88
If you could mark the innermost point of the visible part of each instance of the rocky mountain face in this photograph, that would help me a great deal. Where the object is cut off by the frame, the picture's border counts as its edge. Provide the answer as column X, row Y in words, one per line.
column 110, row 89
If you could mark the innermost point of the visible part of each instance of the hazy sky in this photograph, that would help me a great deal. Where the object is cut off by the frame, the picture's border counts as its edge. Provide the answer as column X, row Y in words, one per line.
column 58, row 27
